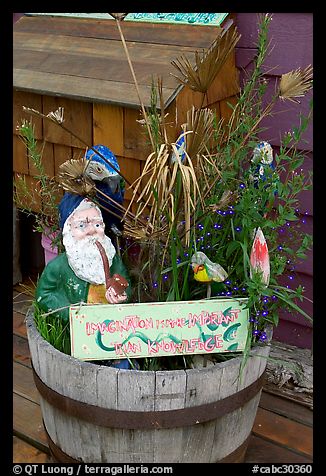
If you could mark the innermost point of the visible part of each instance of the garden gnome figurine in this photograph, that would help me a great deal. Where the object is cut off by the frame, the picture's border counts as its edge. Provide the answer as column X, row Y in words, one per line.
column 89, row 270
column 108, row 181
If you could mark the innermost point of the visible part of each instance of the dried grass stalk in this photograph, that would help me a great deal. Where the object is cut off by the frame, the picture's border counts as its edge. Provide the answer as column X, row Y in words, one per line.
column 73, row 179
column 295, row 83
column 201, row 123
column 172, row 186
column 200, row 76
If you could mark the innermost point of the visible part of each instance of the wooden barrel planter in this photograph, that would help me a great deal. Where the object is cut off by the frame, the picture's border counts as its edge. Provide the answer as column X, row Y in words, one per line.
column 98, row 414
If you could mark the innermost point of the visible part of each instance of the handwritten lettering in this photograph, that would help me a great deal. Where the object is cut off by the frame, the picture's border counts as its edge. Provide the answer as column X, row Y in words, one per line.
column 129, row 323
column 205, row 18
column 186, row 346
column 170, row 323
column 206, row 318
column 132, row 323
column 128, row 348
column 157, row 329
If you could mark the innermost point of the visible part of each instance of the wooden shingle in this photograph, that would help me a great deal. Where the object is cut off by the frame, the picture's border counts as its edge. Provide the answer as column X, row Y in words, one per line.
column 80, row 64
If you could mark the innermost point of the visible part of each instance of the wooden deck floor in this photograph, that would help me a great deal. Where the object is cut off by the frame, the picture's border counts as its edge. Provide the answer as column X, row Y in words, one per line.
column 282, row 432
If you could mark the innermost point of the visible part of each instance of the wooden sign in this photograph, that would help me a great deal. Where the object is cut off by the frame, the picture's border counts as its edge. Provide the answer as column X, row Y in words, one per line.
column 158, row 329
column 213, row 19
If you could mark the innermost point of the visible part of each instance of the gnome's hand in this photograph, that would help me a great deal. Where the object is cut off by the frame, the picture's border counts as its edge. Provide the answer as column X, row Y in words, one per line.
column 114, row 298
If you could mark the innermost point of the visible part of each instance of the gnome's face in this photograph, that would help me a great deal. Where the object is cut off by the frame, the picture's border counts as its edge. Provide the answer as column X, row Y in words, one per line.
column 81, row 230
column 87, row 223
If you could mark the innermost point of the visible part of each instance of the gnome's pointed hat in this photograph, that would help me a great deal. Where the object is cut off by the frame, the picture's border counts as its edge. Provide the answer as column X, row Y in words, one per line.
column 69, row 203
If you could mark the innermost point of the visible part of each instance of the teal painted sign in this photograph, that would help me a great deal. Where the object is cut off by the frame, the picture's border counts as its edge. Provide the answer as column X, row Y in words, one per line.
column 158, row 329
column 214, row 19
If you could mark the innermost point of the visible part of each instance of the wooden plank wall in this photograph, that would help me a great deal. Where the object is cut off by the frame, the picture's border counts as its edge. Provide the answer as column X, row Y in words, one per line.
column 84, row 59
column 112, row 125
column 93, row 123
column 291, row 36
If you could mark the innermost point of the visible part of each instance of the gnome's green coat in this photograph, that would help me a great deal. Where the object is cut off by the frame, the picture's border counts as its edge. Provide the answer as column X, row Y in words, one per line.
column 59, row 287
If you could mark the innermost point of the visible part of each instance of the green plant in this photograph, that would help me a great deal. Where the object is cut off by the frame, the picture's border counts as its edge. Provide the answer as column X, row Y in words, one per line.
column 202, row 194
column 53, row 330
column 43, row 196
column 209, row 201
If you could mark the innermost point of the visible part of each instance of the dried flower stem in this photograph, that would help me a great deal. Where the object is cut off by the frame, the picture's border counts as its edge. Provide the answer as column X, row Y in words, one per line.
column 37, row 113
column 120, row 207
column 136, row 83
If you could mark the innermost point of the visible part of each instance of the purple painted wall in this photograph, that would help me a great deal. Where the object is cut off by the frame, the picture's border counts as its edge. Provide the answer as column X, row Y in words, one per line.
column 16, row 16
column 291, row 47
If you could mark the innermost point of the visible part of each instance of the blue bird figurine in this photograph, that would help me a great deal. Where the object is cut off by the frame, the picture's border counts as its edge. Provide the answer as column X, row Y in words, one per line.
column 108, row 181
column 181, row 148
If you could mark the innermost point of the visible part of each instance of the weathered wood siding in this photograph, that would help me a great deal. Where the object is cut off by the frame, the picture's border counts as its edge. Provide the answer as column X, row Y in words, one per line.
column 71, row 51
column 291, row 47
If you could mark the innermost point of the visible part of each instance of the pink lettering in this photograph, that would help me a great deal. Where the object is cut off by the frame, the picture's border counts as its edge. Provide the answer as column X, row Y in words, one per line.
column 192, row 344
column 218, row 341
column 152, row 347
column 235, row 314
column 117, row 348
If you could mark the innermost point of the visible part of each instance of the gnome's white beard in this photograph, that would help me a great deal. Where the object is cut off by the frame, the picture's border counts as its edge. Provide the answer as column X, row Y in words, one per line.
column 84, row 257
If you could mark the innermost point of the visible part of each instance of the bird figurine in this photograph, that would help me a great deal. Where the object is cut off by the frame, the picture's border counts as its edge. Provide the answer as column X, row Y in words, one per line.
column 107, row 180
column 263, row 171
column 205, row 271
column 263, row 159
column 262, row 163
column 103, row 167
column 181, row 148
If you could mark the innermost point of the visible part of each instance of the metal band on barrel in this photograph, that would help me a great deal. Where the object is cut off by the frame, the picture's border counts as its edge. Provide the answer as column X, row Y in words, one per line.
column 59, row 456
column 111, row 418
